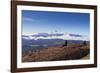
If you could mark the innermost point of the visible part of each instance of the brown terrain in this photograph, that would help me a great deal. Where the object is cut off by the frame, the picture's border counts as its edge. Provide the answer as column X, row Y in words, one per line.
column 62, row 52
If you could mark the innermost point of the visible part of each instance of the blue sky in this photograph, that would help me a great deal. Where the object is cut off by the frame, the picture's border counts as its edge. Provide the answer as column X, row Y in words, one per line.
column 47, row 22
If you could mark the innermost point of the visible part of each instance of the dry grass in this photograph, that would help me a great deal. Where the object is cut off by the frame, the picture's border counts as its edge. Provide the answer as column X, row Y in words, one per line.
column 69, row 52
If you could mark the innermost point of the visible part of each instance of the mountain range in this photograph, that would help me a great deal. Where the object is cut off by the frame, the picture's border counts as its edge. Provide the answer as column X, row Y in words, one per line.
column 45, row 40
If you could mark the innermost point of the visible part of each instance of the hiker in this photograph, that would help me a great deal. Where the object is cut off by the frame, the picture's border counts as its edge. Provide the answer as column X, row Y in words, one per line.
column 84, row 43
column 66, row 43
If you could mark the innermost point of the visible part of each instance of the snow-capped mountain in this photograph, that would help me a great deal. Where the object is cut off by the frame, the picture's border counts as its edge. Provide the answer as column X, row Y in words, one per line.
column 64, row 36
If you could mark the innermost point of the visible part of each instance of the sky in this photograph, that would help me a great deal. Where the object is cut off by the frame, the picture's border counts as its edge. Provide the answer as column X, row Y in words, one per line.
column 48, row 22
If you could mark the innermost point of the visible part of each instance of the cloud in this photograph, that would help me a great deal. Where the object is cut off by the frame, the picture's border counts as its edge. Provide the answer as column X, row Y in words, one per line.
column 65, row 36
column 27, row 19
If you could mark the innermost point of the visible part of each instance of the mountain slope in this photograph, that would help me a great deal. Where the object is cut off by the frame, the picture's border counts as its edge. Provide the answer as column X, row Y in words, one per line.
column 69, row 52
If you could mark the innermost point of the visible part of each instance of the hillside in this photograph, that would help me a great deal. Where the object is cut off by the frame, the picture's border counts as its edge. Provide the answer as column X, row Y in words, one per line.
column 69, row 52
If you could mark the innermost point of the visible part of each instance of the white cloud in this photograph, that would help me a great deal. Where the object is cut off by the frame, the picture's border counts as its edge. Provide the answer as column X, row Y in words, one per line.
column 65, row 36
column 28, row 19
